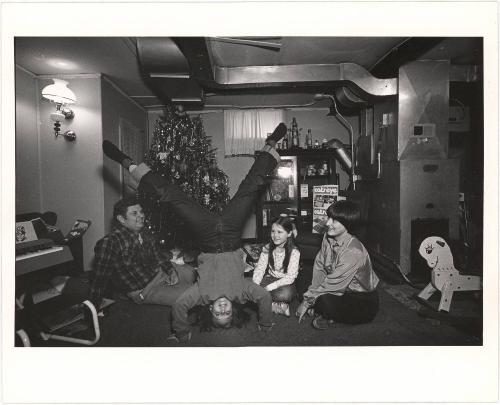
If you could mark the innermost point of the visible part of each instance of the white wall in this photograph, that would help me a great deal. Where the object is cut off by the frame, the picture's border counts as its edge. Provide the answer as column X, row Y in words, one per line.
column 71, row 182
column 322, row 126
column 28, row 195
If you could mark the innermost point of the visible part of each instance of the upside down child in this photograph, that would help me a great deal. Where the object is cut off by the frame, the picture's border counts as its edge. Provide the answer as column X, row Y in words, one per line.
column 221, row 282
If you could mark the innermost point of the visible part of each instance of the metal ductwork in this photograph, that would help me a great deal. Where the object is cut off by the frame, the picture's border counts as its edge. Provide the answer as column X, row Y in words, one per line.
column 341, row 155
column 182, row 70
column 167, row 72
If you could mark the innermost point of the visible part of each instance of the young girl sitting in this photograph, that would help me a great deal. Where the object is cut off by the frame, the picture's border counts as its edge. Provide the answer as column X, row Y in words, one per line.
column 278, row 265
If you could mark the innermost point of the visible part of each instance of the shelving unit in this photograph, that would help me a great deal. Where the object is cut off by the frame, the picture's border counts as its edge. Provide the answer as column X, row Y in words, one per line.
column 291, row 188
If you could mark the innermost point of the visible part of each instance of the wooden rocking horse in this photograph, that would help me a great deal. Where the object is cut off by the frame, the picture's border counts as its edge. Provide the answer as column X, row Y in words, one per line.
column 444, row 277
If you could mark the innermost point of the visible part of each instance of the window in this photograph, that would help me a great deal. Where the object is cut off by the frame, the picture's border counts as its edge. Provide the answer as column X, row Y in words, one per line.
column 246, row 130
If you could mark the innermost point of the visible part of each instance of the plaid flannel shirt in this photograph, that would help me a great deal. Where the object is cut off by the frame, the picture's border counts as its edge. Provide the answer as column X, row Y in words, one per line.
column 128, row 263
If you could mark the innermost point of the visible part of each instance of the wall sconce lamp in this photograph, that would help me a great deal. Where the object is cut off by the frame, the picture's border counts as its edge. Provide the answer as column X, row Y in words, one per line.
column 61, row 95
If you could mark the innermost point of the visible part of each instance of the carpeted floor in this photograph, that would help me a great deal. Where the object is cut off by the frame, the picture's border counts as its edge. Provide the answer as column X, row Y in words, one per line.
column 397, row 324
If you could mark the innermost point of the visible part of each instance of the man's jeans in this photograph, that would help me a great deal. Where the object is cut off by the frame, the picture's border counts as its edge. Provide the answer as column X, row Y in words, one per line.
column 160, row 293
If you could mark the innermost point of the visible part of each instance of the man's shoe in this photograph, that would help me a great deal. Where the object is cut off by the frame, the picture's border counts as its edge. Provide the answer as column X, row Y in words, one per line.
column 112, row 151
column 278, row 133
column 321, row 323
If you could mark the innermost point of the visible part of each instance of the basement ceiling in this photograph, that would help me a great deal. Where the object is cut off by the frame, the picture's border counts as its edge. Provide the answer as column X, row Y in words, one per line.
column 239, row 72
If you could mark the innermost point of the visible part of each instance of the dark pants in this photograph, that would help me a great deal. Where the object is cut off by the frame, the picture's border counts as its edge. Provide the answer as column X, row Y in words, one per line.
column 351, row 308
column 215, row 232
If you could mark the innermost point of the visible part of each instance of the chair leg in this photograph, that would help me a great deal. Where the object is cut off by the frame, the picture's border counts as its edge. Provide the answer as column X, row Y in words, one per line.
column 24, row 337
column 95, row 323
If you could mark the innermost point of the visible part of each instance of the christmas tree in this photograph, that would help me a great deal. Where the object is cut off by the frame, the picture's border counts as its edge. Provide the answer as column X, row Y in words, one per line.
column 181, row 152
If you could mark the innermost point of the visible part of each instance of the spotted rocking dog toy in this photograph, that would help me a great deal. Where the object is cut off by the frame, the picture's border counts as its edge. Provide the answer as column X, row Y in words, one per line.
column 444, row 277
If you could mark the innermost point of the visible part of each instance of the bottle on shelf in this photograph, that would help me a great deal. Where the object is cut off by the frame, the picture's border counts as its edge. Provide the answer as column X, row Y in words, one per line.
column 289, row 138
column 295, row 134
column 316, row 144
column 309, row 141
column 284, row 143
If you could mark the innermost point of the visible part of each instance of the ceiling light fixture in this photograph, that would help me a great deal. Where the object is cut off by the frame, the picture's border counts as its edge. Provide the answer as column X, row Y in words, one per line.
column 61, row 95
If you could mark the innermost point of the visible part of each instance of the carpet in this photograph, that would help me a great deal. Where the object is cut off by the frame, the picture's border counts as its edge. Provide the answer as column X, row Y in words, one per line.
column 129, row 325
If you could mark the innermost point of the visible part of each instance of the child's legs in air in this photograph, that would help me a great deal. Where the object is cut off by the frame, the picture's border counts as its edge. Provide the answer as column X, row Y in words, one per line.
column 201, row 222
column 241, row 205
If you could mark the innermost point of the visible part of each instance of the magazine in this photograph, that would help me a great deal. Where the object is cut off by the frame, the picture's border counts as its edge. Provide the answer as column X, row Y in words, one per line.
column 323, row 197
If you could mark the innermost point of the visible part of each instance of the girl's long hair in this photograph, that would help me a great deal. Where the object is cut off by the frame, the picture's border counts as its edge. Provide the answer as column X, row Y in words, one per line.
column 288, row 225
column 204, row 318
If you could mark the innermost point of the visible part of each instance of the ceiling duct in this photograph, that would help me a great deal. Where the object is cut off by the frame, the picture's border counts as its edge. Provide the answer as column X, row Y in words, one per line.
column 166, row 71
column 182, row 68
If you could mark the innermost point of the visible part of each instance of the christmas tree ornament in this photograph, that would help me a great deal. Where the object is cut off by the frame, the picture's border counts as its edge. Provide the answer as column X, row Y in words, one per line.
column 179, row 109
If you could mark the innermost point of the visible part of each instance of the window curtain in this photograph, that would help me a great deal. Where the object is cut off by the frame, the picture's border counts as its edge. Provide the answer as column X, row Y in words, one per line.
column 246, row 130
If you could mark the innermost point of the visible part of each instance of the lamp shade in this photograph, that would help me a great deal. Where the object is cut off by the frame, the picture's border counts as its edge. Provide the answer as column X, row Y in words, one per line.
column 58, row 92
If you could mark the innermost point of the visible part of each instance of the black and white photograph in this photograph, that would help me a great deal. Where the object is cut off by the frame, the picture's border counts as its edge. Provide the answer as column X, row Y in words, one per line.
column 167, row 179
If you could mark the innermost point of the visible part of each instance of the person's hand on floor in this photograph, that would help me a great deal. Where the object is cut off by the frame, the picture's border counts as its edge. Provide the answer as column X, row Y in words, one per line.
column 301, row 310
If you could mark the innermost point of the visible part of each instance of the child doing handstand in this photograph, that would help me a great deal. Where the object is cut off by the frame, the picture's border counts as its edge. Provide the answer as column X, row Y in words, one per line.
column 278, row 265
column 220, row 265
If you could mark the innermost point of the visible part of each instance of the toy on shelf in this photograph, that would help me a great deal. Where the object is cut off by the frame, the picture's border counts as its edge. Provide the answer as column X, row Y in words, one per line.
column 445, row 277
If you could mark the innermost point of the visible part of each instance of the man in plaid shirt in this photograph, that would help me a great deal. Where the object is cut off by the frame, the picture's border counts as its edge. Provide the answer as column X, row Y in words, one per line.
column 130, row 259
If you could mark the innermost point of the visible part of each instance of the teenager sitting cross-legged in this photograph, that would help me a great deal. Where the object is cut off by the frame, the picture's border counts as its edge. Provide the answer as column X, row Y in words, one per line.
column 343, row 287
